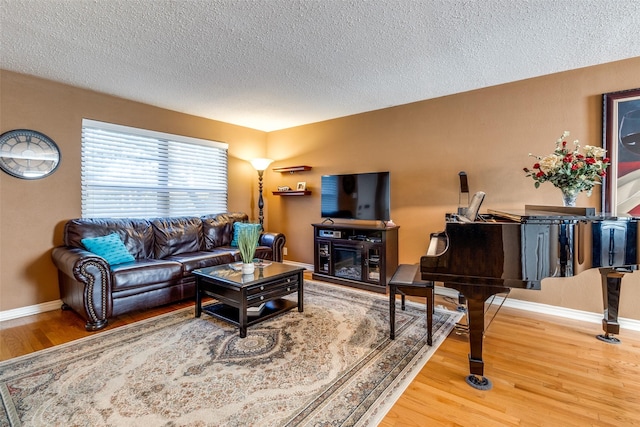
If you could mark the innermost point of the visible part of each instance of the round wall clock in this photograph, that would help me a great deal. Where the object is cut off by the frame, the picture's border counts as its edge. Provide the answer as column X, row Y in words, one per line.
column 28, row 154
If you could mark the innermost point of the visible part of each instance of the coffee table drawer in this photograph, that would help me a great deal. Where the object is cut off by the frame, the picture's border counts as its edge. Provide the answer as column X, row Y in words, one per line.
column 273, row 289
column 272, row 285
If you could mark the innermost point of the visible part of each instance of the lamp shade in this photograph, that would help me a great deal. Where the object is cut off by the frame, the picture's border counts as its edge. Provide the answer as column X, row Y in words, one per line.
column 261, row 164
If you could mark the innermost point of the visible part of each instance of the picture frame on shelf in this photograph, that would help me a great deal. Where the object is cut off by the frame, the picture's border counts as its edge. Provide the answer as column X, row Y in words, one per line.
column 302, row 186
column 621, row 139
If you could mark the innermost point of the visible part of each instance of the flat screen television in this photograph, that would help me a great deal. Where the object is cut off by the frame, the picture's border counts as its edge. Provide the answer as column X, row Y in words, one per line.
column 364, row 196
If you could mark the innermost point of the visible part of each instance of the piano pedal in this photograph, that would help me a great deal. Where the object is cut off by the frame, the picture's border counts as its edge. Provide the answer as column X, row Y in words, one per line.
column 461, row 329
column 479, row 383
column 608, row 338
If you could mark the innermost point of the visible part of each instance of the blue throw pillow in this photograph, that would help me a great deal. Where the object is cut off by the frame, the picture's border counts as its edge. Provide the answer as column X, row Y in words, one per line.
column 237, row 226
column 108, row 247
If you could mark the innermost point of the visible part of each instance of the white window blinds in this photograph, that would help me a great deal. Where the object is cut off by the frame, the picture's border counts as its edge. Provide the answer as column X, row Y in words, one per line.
column 136, row 173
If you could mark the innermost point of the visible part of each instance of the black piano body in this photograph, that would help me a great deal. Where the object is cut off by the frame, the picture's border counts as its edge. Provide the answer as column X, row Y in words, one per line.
column 517, row 249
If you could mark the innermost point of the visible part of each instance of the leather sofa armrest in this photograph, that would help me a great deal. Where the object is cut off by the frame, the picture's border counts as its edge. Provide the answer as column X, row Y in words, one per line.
column 70, row 260
column 275, row 241
column 85, row 284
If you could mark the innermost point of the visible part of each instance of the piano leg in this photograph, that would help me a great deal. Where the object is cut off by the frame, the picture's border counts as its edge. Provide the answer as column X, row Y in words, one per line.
column 476, row 297
column 475, row 313
column 611, row 284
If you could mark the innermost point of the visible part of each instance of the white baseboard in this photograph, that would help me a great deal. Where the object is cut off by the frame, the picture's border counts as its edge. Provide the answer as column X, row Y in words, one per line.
column 299, row 264
column 567, row 313
column 446, row 292
column 30, row 310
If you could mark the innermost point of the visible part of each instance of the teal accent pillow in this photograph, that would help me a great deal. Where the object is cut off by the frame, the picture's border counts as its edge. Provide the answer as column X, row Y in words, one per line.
column 237, row 226
column 109, row 247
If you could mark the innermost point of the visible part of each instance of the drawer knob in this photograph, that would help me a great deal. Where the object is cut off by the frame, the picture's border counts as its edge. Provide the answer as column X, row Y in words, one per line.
column 288, row 289
column 261, row 297
column 262, row 288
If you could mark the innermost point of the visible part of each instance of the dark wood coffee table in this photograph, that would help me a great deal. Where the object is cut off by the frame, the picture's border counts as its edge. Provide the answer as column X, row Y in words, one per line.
column 236, row 293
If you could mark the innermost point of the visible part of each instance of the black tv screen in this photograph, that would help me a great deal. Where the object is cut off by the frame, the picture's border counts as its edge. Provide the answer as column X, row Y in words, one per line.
column 363, row 196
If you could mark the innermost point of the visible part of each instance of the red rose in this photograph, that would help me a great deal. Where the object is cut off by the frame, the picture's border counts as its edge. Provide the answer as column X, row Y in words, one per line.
column 536, row 166
column 580, row 156
column 590, row 160
column 606, row 160
column 568, row 158
column 539, row 174
column 575, row 167
column 564, row 143
column 602, row 173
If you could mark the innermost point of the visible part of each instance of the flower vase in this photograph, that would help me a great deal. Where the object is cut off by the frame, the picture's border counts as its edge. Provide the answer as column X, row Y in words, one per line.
column 569, row 197
column 248, row 268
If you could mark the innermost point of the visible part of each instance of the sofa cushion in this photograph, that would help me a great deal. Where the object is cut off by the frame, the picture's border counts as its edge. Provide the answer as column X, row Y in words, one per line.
column 234, row 252
column 218, row 228
column 137, row 234
column 175, row 236
column 109, row 247
column 145, row 272
column 238, row 227
column 193, row 260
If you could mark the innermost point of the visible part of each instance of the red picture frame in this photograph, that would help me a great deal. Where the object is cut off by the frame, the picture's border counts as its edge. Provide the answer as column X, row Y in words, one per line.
column 621, row 139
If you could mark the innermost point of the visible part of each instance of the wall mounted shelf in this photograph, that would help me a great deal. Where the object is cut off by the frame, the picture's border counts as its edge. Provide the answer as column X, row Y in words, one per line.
column 292, row 193
column 292, row 169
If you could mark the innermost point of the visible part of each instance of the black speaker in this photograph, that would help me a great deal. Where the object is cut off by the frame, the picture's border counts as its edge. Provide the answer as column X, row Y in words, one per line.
column 464, row 184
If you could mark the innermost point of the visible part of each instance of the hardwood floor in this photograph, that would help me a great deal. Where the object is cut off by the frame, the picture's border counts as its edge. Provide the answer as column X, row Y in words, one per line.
column 546, row 371
column 31, row 333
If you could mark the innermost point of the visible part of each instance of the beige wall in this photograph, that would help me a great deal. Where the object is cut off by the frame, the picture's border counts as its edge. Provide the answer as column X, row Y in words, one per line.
column 488, row 133
column 32, row 212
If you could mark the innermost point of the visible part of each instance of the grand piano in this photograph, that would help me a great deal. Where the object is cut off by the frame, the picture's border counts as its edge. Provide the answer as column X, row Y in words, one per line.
column 517, row 249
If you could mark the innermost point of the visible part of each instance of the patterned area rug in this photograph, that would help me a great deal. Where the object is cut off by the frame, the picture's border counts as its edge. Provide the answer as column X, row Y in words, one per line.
column 333, row 365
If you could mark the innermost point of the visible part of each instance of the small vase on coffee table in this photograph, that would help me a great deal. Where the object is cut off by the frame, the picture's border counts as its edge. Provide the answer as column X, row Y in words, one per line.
column 248, row 268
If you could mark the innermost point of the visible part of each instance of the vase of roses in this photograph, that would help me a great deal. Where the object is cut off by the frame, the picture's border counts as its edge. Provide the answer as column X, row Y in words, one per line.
column 572, row 170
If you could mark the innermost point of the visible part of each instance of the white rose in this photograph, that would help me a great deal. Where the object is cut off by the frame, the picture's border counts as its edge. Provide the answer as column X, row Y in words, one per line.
column 592, row 151
column 550, row 164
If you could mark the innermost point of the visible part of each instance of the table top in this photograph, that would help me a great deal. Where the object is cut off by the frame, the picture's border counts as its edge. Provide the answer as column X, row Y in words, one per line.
column 230, row 273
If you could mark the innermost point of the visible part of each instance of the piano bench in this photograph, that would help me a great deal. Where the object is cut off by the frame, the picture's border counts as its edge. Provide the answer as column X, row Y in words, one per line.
column 408, row 281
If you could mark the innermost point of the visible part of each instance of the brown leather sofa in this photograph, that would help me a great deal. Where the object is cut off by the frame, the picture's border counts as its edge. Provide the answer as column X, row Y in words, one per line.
column 166, row 251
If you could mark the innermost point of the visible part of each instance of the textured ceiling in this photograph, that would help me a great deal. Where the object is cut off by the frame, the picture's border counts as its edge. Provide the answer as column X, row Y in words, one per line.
column 274, row 64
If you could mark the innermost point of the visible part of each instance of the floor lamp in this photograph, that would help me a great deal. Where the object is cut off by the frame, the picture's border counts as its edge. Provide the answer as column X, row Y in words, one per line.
column 260, row 165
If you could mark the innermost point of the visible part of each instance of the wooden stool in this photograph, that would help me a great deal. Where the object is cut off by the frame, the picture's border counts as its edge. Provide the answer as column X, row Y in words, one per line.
column 407, row 281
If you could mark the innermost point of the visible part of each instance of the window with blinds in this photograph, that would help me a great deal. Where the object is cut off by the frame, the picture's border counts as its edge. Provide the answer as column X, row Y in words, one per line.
column 136, row 173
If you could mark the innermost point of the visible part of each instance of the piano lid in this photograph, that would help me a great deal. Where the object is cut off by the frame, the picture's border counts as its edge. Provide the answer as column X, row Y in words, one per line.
column 559, row 213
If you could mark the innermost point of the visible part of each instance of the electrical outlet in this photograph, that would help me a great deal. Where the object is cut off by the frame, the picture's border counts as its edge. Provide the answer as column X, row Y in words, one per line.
column 284, row 251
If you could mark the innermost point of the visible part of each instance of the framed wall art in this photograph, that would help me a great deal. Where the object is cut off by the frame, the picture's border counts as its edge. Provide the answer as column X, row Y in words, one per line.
column 621, row 139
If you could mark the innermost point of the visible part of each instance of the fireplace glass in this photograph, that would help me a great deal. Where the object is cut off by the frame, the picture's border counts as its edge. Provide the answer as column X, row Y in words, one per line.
column 347, row 262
